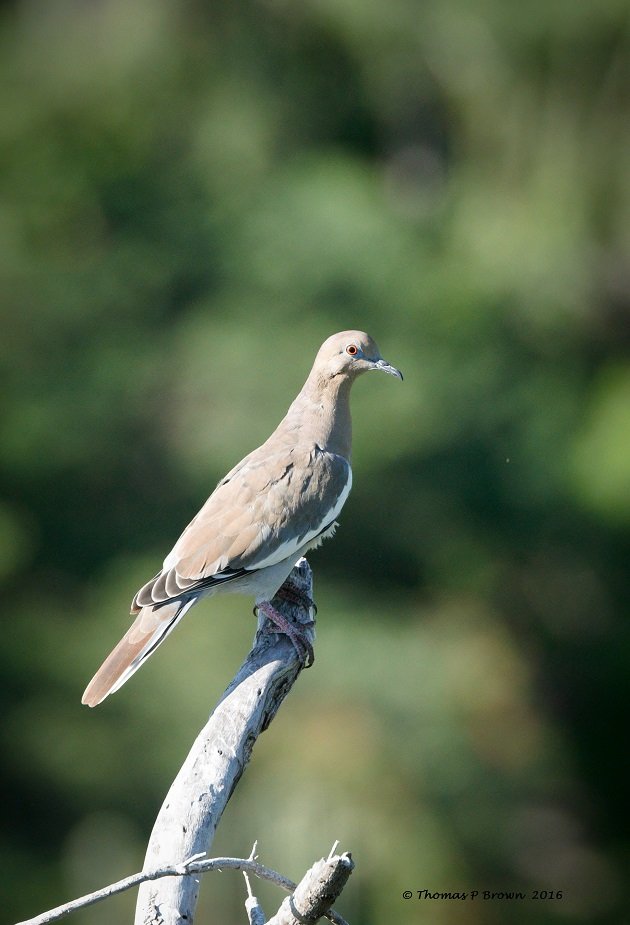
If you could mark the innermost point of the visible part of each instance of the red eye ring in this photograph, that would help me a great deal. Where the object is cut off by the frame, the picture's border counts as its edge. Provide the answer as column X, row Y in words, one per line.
column 352, row 350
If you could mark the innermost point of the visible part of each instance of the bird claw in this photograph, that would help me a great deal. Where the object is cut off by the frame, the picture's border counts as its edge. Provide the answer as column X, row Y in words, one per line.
column 294, row 595
column 301, row 644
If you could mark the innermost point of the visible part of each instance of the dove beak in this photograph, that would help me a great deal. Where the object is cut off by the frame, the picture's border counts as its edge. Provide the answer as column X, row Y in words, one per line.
column 388, row 368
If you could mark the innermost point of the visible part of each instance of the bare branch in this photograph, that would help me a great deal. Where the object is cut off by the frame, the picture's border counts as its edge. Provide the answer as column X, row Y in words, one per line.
column 192, row 866
column 186, row 868
column 316, row 892
column 195, row 802
column 255, row 914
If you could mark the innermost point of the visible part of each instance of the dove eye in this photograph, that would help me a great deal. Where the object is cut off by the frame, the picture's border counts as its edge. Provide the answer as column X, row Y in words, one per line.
column 352, row 350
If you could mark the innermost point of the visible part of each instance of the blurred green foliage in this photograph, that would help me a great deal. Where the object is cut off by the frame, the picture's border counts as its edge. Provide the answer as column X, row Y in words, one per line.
column 193, row 197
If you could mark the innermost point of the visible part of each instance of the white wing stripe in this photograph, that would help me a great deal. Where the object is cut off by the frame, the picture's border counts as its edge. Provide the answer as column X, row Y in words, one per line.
column 291, row 546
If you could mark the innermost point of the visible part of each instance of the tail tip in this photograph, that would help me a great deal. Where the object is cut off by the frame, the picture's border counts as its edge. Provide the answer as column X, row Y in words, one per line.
column 91, row 698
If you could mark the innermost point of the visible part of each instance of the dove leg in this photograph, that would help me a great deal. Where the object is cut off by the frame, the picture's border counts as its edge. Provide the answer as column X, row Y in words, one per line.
column 301, row 644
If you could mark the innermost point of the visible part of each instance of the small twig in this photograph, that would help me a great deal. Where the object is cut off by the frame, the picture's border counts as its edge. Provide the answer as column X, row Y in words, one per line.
column 184, row 869
column 184, row 865
column 254, row 910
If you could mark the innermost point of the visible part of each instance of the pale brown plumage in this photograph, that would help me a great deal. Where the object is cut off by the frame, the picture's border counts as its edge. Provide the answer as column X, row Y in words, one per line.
column 278, row 502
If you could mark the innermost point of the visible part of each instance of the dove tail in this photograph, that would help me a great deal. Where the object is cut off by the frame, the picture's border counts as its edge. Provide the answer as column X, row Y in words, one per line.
column 150, row 628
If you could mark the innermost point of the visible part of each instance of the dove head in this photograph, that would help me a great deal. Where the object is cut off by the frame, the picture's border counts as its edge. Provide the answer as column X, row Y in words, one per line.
column 350, row 353
column 322, row 409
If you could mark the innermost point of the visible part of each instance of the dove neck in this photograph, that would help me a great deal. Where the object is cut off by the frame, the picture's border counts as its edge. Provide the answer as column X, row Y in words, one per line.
column 321, row 412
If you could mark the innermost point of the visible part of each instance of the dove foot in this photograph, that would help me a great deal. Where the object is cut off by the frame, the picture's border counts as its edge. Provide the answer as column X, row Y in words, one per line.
column 294, row 595
column 301, row 644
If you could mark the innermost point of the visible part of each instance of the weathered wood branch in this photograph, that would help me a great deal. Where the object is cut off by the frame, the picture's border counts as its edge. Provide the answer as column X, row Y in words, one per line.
column 185, row 869
column 192, row 866
column 187, row 821
column 185, row 826
column 316, row 892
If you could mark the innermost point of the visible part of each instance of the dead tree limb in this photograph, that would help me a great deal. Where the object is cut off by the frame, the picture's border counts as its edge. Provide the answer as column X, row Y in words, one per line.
column 316, row 892
column 192, row 866
column 185, row 869
column 187, row 821
column 185, row 826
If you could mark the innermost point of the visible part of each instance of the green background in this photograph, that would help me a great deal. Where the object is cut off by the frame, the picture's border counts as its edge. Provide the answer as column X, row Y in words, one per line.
column 193, row 196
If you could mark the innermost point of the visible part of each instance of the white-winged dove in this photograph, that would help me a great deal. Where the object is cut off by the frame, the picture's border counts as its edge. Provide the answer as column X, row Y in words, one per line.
column 278, row 502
